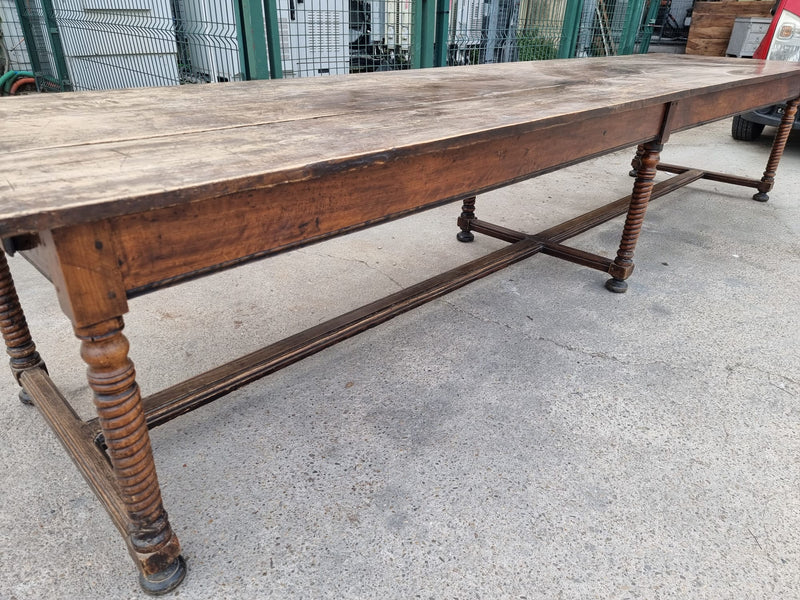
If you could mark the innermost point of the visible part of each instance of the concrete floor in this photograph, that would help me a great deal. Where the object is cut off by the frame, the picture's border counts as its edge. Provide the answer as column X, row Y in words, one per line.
column 529, row 436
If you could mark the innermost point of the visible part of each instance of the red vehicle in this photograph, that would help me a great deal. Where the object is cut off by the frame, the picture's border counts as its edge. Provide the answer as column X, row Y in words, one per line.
column 782, row 42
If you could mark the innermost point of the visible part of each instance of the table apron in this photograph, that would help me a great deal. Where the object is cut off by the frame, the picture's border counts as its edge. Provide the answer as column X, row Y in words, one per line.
column 168, row 245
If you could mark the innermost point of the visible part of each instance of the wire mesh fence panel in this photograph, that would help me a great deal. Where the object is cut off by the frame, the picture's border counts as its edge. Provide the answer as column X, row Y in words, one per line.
column 504, row 30
column 466, row 27
column 381, row 33
column 103, row 44
column 540, row 28
column 37, row 19
column 315, row 37
column 13, row 51
column 118, row 43
column 207, row 42
column 644, row 34
column 100, row 44
column 327, row 37
column 602, row 24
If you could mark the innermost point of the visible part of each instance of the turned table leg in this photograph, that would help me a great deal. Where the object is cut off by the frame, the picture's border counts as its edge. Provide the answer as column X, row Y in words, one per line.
column 19, row 344
column 778, row 145
column 465, row 220
column 636, row 161
column 112, row 377
column 622, row 267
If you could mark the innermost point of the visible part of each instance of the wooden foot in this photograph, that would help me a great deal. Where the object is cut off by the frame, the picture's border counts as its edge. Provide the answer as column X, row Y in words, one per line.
column 112, row 377
column 465, row 220
column 166, row 581
column 25, row 398
column 778, row 145
column 760, row 196
column 14, row 327
column 618, row 286
column 622, row 267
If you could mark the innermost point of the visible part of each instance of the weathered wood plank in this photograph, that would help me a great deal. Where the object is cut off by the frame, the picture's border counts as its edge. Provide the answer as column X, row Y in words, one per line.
column 92, row 117
column 128, row 159
column 712, row 24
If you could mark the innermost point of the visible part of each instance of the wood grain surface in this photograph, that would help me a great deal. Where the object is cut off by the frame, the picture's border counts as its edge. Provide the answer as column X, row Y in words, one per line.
column 72, row 158
column 712, row 24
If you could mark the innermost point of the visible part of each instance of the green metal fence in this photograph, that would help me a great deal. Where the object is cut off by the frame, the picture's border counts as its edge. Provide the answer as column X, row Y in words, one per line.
column 99, row 44
column 13, row 51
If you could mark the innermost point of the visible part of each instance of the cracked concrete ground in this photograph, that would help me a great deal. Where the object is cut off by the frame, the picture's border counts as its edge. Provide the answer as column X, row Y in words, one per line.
column 529, row 436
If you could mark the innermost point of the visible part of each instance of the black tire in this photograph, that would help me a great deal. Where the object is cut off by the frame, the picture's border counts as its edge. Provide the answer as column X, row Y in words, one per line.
column 744, row 130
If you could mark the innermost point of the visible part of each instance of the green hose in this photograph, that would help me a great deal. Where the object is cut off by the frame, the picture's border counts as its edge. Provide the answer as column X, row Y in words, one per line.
column 7, row 80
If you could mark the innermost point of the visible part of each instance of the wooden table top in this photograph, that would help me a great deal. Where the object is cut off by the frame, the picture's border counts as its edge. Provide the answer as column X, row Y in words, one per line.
column 74, row 157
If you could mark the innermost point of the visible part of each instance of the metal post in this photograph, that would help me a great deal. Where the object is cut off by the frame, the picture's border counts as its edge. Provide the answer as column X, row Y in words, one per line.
column 241, row 39
column 252, row 40
column 416, row 34
column 423, row 33
column 491, row 26
column 569, row 32
column 273, row 39
column 648, row 26
column 633, row 17
column 27, row 33
column 55, row 44
column 511, row 46
column 442, row 32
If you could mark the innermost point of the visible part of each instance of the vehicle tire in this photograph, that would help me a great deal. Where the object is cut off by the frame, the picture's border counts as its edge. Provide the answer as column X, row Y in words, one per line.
column 744, row 130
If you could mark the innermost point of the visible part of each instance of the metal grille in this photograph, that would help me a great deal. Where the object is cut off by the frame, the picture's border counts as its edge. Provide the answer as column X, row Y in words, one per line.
column 13, row 51
column 380, row 35
column 315, row 37
column 206, row 39
column 600, row 27
column 118, row 43
column 102, row 44
column 541, row 27
column 504, row 30
column 602, row 23
column 99, row 44
column 327, row 37
column 644, row 32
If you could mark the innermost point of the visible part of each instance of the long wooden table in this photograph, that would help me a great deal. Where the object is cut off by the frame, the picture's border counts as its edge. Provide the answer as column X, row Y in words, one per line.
column 116, row 194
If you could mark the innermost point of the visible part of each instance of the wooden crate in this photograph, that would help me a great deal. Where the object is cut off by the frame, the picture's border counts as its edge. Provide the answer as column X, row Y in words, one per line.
column 712, row 23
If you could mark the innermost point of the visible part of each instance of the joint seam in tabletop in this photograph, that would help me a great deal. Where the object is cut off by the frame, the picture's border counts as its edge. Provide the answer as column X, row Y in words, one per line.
column 574, row 115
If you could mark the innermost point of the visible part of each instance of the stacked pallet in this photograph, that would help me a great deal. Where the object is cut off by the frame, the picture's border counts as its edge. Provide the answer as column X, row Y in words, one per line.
column 712, row 23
